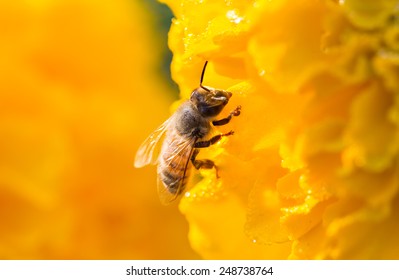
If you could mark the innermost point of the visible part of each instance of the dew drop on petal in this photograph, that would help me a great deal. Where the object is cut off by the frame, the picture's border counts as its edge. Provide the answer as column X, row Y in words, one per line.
column 233, row 17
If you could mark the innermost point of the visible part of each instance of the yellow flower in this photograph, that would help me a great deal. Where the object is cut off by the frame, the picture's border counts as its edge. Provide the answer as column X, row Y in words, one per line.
column 77, row 78
column 312, row 170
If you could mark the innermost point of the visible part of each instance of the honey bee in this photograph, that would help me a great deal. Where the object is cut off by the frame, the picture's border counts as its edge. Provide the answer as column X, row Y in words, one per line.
column 184, row 134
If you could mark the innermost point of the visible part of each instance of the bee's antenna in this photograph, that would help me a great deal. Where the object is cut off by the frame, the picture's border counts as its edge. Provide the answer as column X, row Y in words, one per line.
column 202, row 77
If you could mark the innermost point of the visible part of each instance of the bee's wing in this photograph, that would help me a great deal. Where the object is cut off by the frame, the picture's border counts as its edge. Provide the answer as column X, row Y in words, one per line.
column 149, row 149
column 177, row 163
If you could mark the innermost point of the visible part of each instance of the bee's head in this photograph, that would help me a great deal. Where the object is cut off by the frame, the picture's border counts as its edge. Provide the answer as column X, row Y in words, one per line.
column 209, row 101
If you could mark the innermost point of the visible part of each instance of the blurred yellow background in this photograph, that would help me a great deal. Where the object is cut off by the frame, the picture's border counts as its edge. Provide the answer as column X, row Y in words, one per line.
column 80, row 89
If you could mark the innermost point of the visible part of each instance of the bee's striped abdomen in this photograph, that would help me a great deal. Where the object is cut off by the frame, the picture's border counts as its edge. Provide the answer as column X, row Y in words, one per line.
column 174, row 167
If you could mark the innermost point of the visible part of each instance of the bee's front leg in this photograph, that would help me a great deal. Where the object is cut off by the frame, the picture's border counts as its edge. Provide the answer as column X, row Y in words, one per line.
column 236, row 112
column 203, row 163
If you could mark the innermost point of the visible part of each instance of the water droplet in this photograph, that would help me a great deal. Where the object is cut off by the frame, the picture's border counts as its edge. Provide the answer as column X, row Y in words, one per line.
column 233, row 17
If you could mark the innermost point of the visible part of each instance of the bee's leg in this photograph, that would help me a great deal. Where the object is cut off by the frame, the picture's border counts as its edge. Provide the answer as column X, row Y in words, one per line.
column 203, row 163
column 206, row 163
column 213, row 140
column 236, row 112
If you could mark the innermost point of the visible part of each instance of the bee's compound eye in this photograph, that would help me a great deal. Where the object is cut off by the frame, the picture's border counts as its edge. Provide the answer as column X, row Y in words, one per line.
column 208, row 110
column 199, row 95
